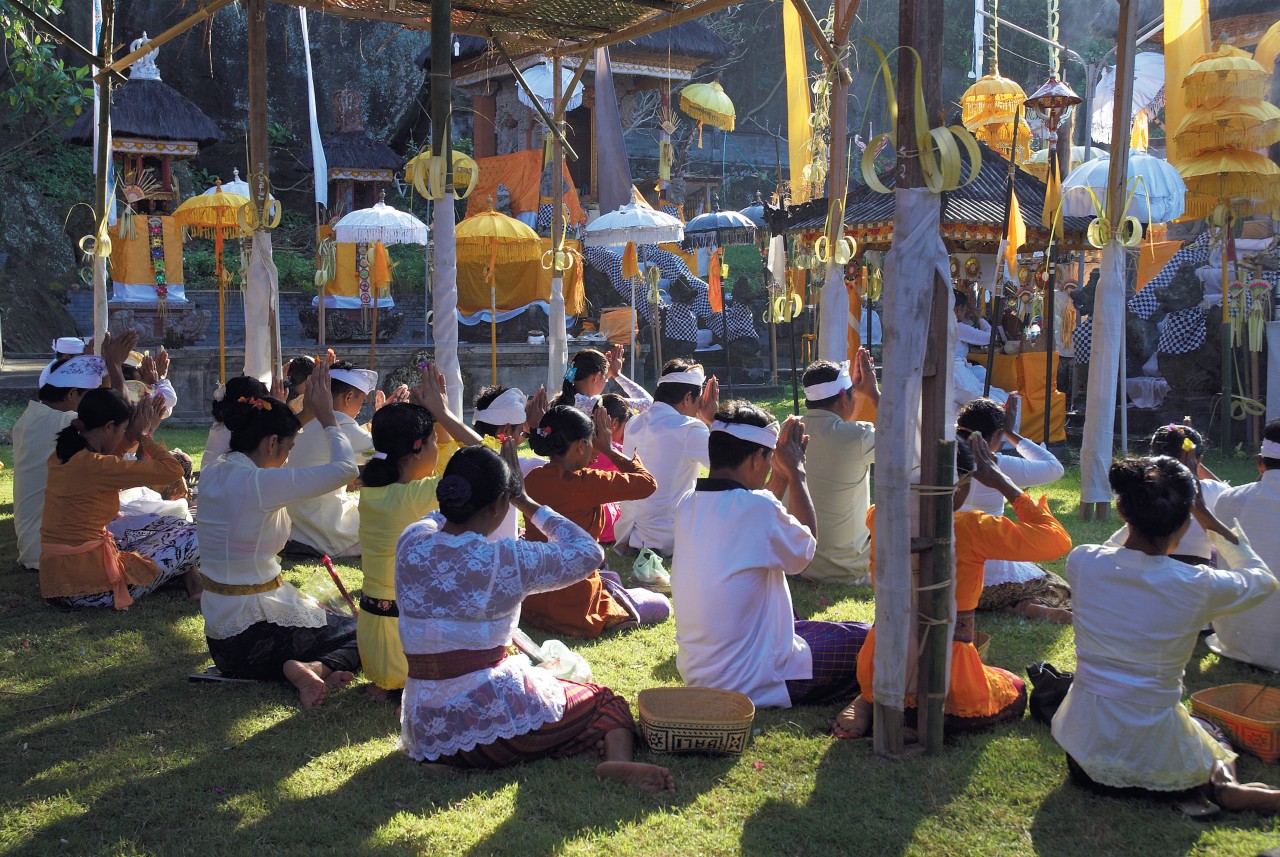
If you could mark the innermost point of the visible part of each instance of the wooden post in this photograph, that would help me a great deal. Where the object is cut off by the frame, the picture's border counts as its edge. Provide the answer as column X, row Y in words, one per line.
column 561, row 100
column 102, row 163
column 259, row 153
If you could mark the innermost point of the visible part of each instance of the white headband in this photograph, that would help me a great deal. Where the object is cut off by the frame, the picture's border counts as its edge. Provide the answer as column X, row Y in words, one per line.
column 364, row 380
column 79, row 373
column 505, row 410
column 1270, row 449
column 693, row 376
column 766, row 436
column 68, row 345
column 827, row 389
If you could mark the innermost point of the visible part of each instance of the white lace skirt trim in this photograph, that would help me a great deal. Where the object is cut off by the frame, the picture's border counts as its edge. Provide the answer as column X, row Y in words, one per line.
column 998, row 571
column 228, row 615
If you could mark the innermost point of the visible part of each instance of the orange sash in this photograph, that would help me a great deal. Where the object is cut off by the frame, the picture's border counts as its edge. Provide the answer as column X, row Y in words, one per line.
column 110, row 561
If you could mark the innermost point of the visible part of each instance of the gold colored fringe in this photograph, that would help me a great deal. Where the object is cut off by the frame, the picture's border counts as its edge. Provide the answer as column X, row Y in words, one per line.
column 1205, row 90
column 700, row 113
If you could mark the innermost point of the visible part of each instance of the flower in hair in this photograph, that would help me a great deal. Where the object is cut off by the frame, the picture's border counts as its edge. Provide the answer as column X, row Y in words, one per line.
column 571, row 374
column 422, row 364
column 417, row 445
column 543, row 431
column 1188, row 444
column 453, row 491
column 258, row 404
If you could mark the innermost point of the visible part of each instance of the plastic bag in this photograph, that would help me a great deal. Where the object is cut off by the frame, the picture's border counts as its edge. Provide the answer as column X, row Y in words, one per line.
column 562, row 662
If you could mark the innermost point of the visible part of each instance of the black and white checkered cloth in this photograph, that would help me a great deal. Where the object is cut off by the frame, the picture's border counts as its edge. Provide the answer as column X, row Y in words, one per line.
column 544, row 218
column 679, row 323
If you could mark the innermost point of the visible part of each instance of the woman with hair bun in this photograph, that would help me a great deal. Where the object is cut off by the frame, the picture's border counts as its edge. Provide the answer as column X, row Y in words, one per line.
column 81, row 563
column 578, row 491
column 1138, row 614
column 257, row 626
column 467, row 704
column 242, row 386
column 590, row 371
column 399, row 487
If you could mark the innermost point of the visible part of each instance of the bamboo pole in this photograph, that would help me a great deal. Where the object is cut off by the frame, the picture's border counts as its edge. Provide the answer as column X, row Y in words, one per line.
column 555, row 352
column 997, row 288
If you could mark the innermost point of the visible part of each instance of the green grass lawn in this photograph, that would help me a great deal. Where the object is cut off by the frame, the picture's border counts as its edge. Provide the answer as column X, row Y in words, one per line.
column 107, row 749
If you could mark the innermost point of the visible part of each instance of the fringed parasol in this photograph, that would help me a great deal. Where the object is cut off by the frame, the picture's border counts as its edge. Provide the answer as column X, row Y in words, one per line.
column 709, row 104
column 1235, row 123
column 1244, row 181
column 237, row 185
column 633, row 223
column 1158, row 198
column 997, row 132
column 380, row 223
column 541, row 80
column 1226, row 73
column 718, row 228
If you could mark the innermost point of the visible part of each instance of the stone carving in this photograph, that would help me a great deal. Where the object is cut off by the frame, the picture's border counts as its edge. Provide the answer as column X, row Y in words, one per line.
column 350, row 325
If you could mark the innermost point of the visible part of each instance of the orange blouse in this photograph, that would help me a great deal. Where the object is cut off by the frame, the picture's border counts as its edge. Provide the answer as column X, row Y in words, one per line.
column 977, row 690
column 585, row 608
column 82, row 497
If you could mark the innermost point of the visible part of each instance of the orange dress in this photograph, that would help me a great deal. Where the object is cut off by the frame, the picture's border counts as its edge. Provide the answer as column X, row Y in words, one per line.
column 584, row 609
column 980, row 695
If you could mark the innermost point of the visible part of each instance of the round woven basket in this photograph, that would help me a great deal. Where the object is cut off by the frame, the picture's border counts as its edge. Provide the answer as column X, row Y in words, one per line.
column 1249, row 713
column 695, row 720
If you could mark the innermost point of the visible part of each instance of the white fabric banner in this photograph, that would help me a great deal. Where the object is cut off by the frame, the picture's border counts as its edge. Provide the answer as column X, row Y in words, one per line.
column 1273, row 370
column 1098, row 445
column 918, row 255
column 557, row 346
column 319, row 163
column 833, row 322
column 261, row 310
column 444, row 300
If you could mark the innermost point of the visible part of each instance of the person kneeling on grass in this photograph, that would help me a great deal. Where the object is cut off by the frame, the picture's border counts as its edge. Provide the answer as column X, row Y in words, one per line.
column 1138, row 614
column 570, row 484
column 257, row 626
column 735, row 544
column 465, row 703
column 979, row 695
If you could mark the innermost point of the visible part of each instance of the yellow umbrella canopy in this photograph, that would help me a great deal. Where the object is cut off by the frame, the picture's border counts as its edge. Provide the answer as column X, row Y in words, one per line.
column 990, row 96
column 491, row 235
column 997, row 132
column 1268, row 47
column 708, row 103
column 211, row 215
column 1226, row 73
column 1234, row 123
column 1245, row 181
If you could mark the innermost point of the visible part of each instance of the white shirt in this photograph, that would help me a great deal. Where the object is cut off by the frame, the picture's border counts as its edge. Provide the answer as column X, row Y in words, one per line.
column 1253, row 636
column 218, row 444
column 838, row 461
column 636, row 397
column 673, row 448
column 1037, row 466
column 1136, row 621
column 1195, row 541
column 735, row 627
column 35, row 434
column 330, row 522
column 242, row 524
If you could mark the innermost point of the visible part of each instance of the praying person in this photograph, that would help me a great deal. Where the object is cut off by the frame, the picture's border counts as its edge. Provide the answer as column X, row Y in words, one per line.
column 736, row 544
column 256, row 625
column 296, row 375
column 63, row 348
column 81, row 563
column 465, row 703
column 671, row 438
column 145, row 375
column 1253, row 635
column 839, row 456
column 1020, row 587
column 569, row 484
column 979, row 695
column 620, row 414
column 330, row 523
column 507, row 412
column 1138, row 614
column 589, row 373
column 972, row 331
column 241, row 387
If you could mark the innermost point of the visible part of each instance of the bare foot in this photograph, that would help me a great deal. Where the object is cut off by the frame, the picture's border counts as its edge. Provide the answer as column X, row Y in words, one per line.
column 1056, row 615
column 854, row 721
column 1237, row 798
column 338, row 678
column 600, row 748
column 649, row 778
column 377, row 694
column 306, row 678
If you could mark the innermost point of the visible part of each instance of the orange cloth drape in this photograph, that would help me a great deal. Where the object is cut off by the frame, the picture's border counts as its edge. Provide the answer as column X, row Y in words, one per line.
column 345, row 283
column 131, row 259
column 1025, row 374
column 521, row 174
column 1152, row 258
column 519, row 283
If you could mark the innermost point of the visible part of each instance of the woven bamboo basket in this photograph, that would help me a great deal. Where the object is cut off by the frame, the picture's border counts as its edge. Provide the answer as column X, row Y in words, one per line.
column 695, row 720
column 1250, row 714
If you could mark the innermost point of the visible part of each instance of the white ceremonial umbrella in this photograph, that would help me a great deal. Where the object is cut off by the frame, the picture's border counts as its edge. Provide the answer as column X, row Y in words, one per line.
column 642, row 225
column 1159, row 198
column 237, row 185
column 1148, row 81
column 541, row 79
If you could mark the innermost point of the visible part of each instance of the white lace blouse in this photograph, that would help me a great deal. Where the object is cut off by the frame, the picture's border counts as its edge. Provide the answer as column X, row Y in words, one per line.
column 242, row 524
column 464, row 592
column 636, row 397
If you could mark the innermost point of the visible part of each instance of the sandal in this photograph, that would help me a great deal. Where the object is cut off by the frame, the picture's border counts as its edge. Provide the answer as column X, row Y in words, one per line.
column 1199, row 807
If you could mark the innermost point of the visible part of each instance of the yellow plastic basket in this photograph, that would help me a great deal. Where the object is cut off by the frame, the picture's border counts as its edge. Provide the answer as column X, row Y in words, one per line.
column 695, row 720
column 1249, row 713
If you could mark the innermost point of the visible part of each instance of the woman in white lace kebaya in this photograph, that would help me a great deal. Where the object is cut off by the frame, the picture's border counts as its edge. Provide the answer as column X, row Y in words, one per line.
column 257, row 626
column 1138, row 612
column 465, row 703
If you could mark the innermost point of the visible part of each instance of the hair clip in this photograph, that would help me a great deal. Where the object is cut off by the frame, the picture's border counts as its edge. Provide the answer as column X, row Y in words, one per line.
column 543, row 431
column 256, row 403
column 381, row 456
column 417, row 445
column 422, row 364
column 571, row 373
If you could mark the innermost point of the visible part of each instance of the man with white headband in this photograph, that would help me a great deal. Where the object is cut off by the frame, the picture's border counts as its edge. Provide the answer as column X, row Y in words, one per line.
column 735, row 545
column 63, row 347
column 63, row 383
column 671, row 440
column 842, row 448
column 1254, row 635
column 495, row 416
column 330, row 524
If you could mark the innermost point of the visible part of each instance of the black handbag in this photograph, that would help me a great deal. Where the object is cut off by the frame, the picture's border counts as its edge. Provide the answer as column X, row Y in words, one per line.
column 1049, row 687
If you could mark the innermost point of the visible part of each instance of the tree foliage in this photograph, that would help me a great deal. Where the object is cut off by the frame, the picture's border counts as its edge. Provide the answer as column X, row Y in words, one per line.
column 40, row 89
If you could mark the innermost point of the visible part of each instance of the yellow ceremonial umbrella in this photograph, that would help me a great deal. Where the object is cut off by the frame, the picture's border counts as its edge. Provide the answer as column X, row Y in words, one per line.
column 215, row 215
column 1244, row 181
column 1226, row 73
column 708, row 103
column 988, row 109
column 492, row 237
column 1234, row 123
column 1038, row 163
column 1268, row 46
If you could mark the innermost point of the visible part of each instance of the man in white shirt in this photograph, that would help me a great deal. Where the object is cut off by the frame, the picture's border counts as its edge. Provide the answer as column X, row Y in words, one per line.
column 735, row 545
column 1254, row 635
column 671, row 440
column 330, row 524
column 842, row 448
column 972, row 331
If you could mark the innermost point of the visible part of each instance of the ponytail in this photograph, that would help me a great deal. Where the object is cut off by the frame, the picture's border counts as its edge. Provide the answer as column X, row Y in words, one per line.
column 584, row 364
column 399, row 429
